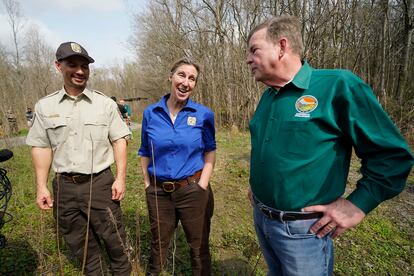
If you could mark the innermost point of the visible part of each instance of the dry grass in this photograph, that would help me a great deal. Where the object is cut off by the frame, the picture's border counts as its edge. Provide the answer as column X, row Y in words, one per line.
column 382, row 245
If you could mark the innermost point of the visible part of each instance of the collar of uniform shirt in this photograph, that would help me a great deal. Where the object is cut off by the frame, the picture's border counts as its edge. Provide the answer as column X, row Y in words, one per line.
column 85, row 92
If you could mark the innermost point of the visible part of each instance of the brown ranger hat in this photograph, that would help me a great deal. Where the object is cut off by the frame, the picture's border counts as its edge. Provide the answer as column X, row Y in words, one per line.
column 68, row 49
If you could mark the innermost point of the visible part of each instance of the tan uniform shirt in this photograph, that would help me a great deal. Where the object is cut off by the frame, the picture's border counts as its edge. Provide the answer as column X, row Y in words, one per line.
column 78, row 129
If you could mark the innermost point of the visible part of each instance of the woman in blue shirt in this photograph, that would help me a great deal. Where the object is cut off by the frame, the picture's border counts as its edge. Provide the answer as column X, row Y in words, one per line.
column 177, row 158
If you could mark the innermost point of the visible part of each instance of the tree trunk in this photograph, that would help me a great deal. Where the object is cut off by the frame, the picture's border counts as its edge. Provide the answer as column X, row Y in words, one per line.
column 384, row 51
column 403, row 65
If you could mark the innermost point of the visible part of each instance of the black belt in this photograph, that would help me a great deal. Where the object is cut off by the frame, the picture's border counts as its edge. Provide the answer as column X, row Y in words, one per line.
column 285, row 216
column 80, row 177
column 288, row 216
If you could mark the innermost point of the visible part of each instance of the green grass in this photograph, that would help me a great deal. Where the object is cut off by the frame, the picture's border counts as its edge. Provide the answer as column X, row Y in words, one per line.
column 382, row 245
column 4, row 133
column 23, row 132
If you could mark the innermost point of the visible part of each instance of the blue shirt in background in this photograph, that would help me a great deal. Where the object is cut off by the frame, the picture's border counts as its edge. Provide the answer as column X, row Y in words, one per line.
column 178, row 148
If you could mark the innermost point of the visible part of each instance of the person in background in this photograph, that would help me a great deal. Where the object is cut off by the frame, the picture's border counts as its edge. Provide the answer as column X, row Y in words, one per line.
column 303, row 132
column 12, row 122
column 178, row 151
column 29, row 116
column 122, row 110
column 127, row 109
column 79, row 133
column 127, row 115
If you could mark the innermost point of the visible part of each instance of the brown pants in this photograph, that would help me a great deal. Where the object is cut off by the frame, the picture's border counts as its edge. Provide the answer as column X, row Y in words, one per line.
column 72, row 203
column 193, row 206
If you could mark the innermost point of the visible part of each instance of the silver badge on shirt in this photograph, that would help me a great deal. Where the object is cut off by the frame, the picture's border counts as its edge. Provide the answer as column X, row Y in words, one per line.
column 191, row 121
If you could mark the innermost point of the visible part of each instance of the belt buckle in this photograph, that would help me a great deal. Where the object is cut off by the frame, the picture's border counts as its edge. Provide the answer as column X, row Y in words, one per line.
column 168, row 186
column 273, row 215
column 80, row 179
column 281, row 214
column 73, row 177
column 267, row 212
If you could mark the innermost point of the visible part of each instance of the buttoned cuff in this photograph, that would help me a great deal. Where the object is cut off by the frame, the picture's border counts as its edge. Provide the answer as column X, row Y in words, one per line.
column 363, row 200
column 210, row 147
column 143, row 153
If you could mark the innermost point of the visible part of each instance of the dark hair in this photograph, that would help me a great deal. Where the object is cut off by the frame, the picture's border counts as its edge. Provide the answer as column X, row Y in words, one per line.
column 113, row 98
column 183, row 61
column 282, row 26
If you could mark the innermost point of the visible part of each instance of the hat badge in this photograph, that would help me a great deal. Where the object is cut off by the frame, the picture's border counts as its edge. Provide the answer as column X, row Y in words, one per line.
column 76, row 47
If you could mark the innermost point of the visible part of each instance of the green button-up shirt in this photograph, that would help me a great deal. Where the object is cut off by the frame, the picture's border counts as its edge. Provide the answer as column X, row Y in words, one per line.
column 302, row 138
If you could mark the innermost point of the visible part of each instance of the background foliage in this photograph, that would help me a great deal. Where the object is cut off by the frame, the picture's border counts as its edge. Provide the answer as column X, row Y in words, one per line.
column 371, row 38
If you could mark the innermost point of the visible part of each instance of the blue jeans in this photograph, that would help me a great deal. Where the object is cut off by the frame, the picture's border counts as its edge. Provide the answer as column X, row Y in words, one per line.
column 290, row 249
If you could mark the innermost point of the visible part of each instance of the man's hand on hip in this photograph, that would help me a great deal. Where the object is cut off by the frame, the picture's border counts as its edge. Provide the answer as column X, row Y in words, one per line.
column 43, row 199
column 338, row 216
column 118, row 190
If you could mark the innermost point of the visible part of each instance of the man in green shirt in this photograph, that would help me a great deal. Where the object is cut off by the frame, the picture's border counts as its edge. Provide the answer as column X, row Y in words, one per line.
column 302, row 134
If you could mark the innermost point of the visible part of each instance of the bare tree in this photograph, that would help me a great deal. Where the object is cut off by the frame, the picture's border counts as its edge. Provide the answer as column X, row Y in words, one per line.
column 371, row 38
column 407, row 10
column 16, row 23
column 384, row 50
column 38, row 70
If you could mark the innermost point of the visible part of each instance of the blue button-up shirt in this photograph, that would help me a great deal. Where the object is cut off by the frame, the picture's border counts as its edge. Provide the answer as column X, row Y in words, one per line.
column 178, row 148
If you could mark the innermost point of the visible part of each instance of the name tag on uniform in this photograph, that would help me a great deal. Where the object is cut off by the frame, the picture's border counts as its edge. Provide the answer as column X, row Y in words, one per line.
column 53, row 116
column 191, row 121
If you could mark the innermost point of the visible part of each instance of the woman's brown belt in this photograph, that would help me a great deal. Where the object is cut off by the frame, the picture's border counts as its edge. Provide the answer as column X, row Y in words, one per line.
column 173, row 185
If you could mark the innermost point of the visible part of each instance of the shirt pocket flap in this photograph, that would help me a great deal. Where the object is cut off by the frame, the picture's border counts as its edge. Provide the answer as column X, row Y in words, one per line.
column 96, row 121
column 55, row 122
column 96, row 127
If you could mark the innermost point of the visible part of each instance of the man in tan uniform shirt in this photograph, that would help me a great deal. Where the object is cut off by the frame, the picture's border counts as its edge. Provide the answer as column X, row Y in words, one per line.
column 80, row 133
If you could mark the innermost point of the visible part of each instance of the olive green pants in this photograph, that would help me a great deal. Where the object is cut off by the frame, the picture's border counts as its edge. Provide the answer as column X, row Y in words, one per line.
column 70, row 208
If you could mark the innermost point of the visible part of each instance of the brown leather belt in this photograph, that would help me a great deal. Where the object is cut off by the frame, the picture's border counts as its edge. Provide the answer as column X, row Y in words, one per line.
column 80, row 177
column 173, row 185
